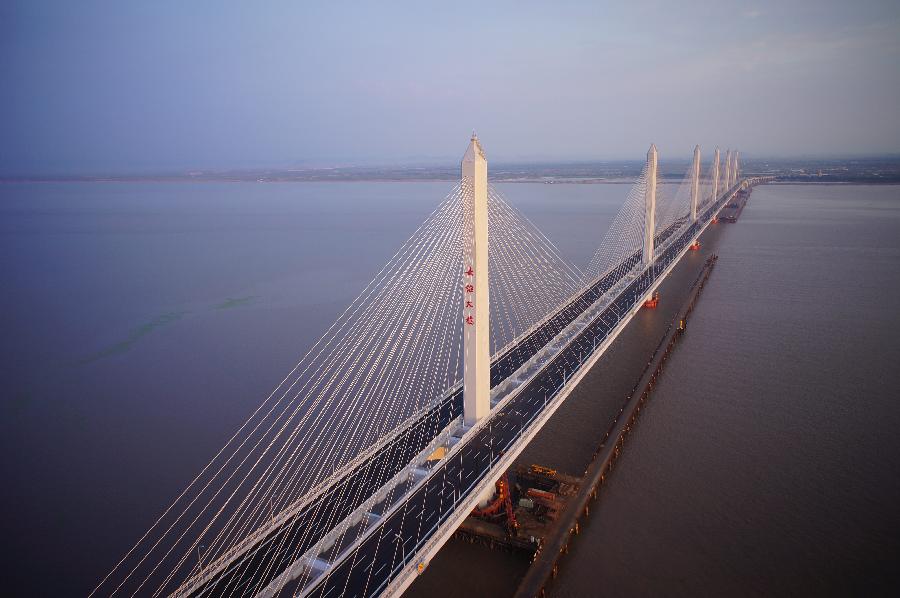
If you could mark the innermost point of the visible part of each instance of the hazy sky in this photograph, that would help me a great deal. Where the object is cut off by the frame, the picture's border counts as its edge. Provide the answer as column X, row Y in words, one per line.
column 126, row 86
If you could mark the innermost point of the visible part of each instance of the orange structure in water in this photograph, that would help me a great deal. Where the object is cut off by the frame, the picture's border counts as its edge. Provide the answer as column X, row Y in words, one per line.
column 502, row 501
column 695, row 246
column 653, row 301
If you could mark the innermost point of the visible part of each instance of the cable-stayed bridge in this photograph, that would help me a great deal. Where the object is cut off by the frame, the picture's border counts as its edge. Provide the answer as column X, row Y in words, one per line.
column 364, row 460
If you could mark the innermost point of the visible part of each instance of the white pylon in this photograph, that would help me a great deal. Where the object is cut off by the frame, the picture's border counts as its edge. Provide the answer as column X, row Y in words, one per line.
column 728, row 182
column 476, row 311
column 695, row 183
column 715, row 181
column 650, row 206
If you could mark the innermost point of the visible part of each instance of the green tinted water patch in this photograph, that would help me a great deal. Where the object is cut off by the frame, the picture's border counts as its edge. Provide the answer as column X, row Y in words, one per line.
column 236, row 302
column 135, row 335
column 18, row 402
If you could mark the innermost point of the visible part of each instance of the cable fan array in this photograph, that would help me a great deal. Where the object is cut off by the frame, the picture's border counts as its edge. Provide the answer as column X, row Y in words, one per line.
column 621, row 245
column 528, row 276
column 393, row 352
column 706, row 187
column 673, row 205
column 392, row 355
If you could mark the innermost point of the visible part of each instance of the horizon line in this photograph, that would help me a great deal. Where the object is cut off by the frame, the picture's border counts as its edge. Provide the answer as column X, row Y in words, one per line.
column 310, row 165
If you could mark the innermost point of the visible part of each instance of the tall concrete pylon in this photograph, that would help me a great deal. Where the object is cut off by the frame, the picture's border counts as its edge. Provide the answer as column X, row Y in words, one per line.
column 734, row 177
column 728, row 170
column 695, row 183
column 476, row 301
column 715, row 181
column 650, row 206
column 736, row 169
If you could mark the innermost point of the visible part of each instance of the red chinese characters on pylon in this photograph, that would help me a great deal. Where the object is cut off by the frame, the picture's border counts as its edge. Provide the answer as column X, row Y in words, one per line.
column 469, row 288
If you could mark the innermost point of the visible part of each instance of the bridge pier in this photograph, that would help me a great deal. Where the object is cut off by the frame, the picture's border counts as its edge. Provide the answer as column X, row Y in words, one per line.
column 650, row 206
column 476, row 312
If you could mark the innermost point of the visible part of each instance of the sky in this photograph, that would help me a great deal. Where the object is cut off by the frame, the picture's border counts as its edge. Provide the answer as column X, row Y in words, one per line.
column 116, row 87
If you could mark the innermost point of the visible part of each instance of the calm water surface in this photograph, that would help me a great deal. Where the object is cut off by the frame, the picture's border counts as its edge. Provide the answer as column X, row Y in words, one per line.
column 768, row 461
column 143, row 322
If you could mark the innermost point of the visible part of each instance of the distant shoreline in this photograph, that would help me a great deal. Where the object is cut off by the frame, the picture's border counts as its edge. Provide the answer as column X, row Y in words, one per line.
column 310, row 180
column 623, row 181
column 624, row 172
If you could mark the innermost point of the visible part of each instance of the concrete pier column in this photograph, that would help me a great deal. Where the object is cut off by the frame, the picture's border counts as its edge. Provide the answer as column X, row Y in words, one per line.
column 650, row 206
column 695, row 183
column 476, row 306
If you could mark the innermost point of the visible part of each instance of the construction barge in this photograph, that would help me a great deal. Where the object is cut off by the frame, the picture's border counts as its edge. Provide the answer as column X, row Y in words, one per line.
column 524, row 510
column 733, row 209
column 537, row 510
